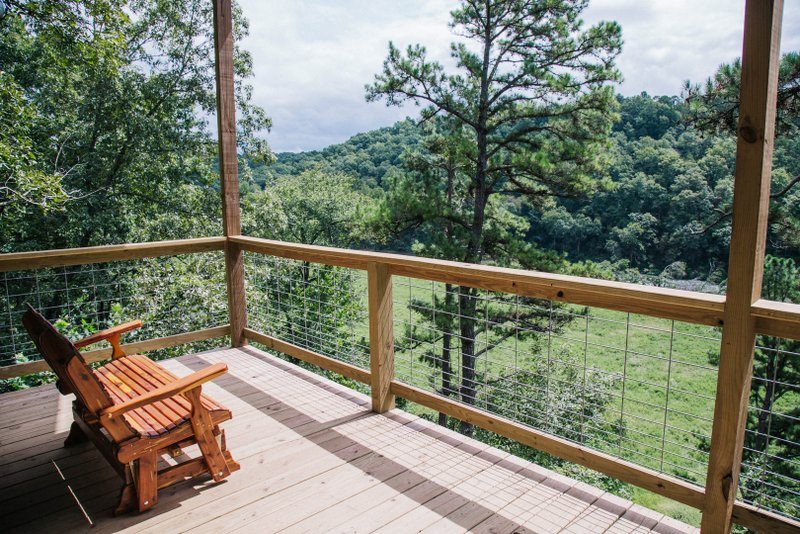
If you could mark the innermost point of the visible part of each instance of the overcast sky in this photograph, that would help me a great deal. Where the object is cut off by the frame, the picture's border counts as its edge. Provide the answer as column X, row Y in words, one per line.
column 313, row 57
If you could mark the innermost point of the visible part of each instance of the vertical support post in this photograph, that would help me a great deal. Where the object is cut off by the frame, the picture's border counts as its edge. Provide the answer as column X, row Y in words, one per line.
column 381, row 336
column 229, row 170
column 758, row 95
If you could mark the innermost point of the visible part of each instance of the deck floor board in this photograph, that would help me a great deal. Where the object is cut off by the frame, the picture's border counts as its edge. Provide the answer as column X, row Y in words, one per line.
column 314, row 459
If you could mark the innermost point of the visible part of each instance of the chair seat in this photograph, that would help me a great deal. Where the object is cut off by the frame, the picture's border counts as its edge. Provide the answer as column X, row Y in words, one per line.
column 131, row 376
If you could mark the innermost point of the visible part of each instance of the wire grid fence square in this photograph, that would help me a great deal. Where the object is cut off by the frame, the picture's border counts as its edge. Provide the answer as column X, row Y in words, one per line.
column 317, row 307
column 171, row 295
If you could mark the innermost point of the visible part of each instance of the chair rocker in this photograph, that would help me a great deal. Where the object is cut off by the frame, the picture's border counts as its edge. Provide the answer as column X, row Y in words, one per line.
column 134, row 411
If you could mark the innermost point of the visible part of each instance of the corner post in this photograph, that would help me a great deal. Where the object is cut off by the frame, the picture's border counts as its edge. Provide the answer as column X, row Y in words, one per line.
column 381, row 336
column 229, row 171
column 757, row 98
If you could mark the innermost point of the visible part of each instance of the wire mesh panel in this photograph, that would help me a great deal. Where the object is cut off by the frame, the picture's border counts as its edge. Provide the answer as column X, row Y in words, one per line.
column 170, row 295
column 770, row 475
column 316, row 307
column 639, row 388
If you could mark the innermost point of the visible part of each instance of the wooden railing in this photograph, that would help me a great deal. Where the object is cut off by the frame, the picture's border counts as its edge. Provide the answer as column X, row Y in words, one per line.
column 24, row 261
column 771, row 318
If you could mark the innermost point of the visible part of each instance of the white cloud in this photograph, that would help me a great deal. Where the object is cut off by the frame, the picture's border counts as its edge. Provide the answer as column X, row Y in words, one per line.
column 313, row 58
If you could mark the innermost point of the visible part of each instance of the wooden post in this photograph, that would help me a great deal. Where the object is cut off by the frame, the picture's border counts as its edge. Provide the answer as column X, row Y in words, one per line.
column 229, row 171
column 758, row 94
column 381, row 336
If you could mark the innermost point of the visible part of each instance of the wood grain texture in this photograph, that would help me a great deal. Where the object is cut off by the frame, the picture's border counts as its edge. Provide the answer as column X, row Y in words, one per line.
column 137, row 347
column 160, row 390
column 779, row 319
column 147, row 481
column 203, row 426
column 381, row 336
column 751, row 188
column 229, row 167
column 760, row 520
column 20, row 261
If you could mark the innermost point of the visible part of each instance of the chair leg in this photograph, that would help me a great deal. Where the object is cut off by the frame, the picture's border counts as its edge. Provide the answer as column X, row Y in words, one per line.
column 75, row 436
column 204, row 434
column 127, row 495
column 232, row 464
column 147, row 480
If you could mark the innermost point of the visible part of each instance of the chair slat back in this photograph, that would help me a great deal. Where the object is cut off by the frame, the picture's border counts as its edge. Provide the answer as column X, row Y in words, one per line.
column 73, row 373
column 66, row 361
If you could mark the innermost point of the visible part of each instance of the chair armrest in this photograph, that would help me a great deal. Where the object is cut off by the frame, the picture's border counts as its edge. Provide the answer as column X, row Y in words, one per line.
column 112, row 335
column 181, row 385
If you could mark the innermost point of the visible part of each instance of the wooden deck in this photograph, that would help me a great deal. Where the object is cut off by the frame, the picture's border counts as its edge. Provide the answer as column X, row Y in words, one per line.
column 314, row 459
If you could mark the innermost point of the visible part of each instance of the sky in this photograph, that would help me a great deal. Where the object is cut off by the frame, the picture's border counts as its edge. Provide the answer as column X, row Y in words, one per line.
column 312, row 58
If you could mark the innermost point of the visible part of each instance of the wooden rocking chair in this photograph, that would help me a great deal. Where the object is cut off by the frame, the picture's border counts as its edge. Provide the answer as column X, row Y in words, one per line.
column 134, row 410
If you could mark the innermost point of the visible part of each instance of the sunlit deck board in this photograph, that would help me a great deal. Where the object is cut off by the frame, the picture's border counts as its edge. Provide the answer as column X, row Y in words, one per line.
column 314, row 459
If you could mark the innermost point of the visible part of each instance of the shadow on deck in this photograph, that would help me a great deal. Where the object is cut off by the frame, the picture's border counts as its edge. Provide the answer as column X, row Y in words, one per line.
column 314, row 459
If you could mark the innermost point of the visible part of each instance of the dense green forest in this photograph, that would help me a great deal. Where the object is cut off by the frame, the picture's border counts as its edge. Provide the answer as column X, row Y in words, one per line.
column 524, row 156
column 661, row 210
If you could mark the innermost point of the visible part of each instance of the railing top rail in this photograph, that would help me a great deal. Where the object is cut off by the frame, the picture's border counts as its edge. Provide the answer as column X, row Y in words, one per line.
column 700, row 308
column 779, row 319
column 19, row 261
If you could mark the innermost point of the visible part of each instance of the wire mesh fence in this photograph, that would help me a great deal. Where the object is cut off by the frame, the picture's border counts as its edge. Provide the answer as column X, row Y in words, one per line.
column 770, row 475
column 637, row 387
column 316, row 307
column 171, row 295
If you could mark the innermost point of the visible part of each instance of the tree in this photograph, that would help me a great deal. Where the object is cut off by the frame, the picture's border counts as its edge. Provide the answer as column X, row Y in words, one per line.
column 713, row 108
column 530, row 105
column 117, row 95
column 104, row 139
column 714, row 105
column 315, row 207
column 312, row 305
column 24, row 179
column 643, row 115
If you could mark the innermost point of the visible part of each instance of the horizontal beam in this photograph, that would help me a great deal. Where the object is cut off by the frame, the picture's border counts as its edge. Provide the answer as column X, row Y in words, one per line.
column 625, row 471
column 772, row 318
column 779, row 319
column 137, row 347
column 687, row 306
column 314, row 358
column 20, row 261
column 760, row 520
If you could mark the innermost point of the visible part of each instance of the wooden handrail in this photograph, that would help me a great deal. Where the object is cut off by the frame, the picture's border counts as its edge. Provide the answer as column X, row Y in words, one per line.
column 772, row 318
column 688, row 306
column 20, row 261
column 779, row 319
